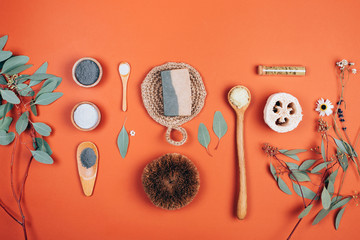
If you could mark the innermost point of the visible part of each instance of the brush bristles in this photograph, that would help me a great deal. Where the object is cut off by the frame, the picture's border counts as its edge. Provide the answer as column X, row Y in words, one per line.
column 171, row 181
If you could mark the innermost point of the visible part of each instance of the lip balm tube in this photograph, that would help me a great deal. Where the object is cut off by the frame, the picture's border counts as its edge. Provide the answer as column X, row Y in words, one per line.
column 281, row 70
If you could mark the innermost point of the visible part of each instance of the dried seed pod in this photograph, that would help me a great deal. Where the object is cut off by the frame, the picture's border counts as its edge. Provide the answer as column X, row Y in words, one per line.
column 282, row 112
column 171, row 181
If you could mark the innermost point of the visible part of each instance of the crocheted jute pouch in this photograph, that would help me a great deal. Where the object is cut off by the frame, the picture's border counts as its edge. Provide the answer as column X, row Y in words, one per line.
column 152, row 95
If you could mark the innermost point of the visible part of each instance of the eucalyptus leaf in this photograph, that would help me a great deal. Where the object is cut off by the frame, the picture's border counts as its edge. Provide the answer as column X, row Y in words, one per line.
column 325, row 198
column 294, row 151
column 306, row 164
column 10, row 96
column 323, row 151
column 42, row 145
column 340, row 203
column 42, row 129
column 330, row 187
column 22, row 123
column 42, row 68
column 335, row 199
column 283, row 187
column 5, row 123
column 293, row 156
column 305, row 211
column 341, row 146
column 308, row 194
column 19, row 69
column 123, row 141
column 338, row 218
column 323, row 213
column 25, row 90
column 203, row 136
column 47, row 88
column 333, row 175
column 48, row 98
column 5, row 55
column 22, row 78
column 292, row 166
column 41, row 76
column 344, row 162
column 3, row 41
column 42, row 157
column 5, row 108
column 300, row 176
column 6, row 138
column 37, row 78
column 319, row 167
column 13, row 63
column 2, row 80
column 58, row 80
column 33, row 107
column 273, row 172
column 351, row 149
column 219, row 125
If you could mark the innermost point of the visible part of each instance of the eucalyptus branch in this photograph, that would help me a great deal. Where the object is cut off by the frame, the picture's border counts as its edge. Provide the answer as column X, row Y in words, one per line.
column 290, row 172
column 17, row 96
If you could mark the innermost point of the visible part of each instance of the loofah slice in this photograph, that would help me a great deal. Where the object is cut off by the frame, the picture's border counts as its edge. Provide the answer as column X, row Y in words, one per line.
column 282, row 112
column 171, row 181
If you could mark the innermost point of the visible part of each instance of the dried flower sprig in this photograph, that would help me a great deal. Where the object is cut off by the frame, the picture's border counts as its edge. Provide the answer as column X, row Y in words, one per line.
column 336, row 156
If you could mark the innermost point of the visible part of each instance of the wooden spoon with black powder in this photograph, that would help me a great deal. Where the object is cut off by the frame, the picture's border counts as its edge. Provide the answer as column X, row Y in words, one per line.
column 87, row 160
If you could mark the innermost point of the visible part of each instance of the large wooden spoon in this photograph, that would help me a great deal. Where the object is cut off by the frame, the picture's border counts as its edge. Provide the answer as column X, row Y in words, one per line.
column 87, row 175
column 124, row 71
column 239, row 98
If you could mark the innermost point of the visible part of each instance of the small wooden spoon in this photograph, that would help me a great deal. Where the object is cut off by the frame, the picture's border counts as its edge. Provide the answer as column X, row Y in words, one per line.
column 87, row 175
column 124, row 70
column 240, row 110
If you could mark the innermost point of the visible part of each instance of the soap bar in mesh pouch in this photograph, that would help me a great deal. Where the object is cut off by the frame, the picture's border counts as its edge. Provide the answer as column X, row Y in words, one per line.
column 176, row 92
column 153, row 99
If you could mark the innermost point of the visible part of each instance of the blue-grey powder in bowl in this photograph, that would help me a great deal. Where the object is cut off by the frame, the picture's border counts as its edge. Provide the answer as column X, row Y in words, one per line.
column 87, row 72
column 88, row 158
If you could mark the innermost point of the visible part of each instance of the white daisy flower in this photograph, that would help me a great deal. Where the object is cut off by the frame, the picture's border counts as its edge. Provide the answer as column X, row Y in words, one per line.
column 132, row 133
column 324, row 107
column 353, row 71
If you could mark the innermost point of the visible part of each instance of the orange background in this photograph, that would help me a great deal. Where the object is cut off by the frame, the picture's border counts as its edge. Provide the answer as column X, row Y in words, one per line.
column 225, row 41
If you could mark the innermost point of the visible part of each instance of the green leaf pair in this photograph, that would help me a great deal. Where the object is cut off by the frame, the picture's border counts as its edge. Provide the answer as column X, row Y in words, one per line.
column 42, row 151
column 304, row 192
column 335, row 203
column 219, row 127
column 42, row 145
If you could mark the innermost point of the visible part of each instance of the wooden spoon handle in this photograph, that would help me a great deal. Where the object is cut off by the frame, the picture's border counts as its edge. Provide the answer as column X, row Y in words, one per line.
column 242, row 200
column 124, row 104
